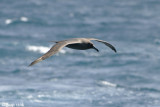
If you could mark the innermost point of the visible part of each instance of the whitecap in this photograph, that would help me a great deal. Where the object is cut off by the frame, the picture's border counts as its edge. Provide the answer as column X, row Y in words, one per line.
column 29, row 96
column 41, row 49
column 107, row 83
column 24, row 19
column 41, row 96
column 62, row 51
column 36, row 100
column 8, row 21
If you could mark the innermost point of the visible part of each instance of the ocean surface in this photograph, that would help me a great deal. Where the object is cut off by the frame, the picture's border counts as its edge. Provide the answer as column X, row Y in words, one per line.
column 80, row 78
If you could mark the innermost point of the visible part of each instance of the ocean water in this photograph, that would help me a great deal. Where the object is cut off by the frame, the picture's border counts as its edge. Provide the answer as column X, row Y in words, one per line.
column 128, row 78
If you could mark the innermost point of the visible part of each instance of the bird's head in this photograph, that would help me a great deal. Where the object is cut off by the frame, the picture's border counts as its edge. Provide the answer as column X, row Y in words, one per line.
column 93, row 47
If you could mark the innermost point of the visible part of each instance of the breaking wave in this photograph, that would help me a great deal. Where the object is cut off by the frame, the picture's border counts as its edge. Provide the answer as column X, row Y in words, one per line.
column 41, row 49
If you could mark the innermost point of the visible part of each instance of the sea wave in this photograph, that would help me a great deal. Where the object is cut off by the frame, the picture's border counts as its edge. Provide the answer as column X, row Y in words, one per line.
column 106, row 83
column 41, row 49
column 8, row 21
column 12, row 20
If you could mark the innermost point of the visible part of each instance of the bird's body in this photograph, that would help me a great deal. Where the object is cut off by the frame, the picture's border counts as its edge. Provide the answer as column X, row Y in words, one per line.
column 79, row 46
column 74, row 43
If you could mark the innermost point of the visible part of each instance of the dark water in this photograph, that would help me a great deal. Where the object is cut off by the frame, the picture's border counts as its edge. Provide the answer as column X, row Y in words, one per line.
column 130, row 78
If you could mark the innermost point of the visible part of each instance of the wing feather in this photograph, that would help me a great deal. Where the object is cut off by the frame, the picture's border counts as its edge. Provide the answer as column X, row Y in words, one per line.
column 55, row 49
column 106, row 43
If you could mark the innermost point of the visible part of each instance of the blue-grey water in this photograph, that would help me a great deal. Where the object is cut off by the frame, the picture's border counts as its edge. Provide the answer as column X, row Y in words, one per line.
column 71, row 78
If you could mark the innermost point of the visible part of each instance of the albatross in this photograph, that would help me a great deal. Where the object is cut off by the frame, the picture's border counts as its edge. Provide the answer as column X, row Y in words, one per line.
column 74, row 43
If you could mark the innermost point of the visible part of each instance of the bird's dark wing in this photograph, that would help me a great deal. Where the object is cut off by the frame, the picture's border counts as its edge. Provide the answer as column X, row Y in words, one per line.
column 55, row 49
column 106, row 43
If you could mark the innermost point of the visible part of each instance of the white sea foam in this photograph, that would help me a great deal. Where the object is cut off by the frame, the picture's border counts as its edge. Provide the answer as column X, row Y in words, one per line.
column 36, row 100
column 107, row 83
column 41, row 49
column 29, row 96
column 41, row 96
column 24, row 19
column 8, row 21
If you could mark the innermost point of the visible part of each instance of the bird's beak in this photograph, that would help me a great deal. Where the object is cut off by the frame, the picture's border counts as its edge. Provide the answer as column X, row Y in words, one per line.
column 95, row 49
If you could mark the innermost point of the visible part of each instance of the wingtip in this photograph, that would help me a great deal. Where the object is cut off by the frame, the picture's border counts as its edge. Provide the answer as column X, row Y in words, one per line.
column 115, row 50
column 36, row 61
column 30, row 64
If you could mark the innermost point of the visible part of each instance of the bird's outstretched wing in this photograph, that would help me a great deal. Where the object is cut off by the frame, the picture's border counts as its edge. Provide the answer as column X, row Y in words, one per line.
column 106, row 43
column 55, row 49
